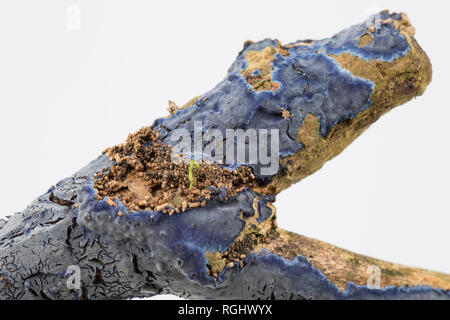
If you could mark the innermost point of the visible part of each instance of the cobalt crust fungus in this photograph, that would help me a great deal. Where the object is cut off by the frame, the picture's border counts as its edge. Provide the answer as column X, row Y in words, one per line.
column 137, row 223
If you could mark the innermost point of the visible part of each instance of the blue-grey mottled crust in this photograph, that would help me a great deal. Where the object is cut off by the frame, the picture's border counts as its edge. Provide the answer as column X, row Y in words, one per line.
column 139, row 254
column 188, row 236
column 142, row 254
column 387, row 43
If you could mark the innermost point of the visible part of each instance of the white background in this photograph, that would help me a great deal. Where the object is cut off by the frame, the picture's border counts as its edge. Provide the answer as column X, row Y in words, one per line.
column 66, row 94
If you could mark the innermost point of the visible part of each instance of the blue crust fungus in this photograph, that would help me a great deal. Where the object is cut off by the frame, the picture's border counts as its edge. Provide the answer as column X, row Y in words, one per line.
column 137, row 223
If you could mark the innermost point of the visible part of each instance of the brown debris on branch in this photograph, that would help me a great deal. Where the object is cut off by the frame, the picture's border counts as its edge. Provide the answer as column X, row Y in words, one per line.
column 144, row 177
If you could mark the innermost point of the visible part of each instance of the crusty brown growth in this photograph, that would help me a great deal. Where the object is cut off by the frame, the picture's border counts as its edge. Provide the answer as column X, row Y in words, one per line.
column 172, row 108
column 144, row 177
column 253, row 235
column 341, row 266
column 241, row 248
